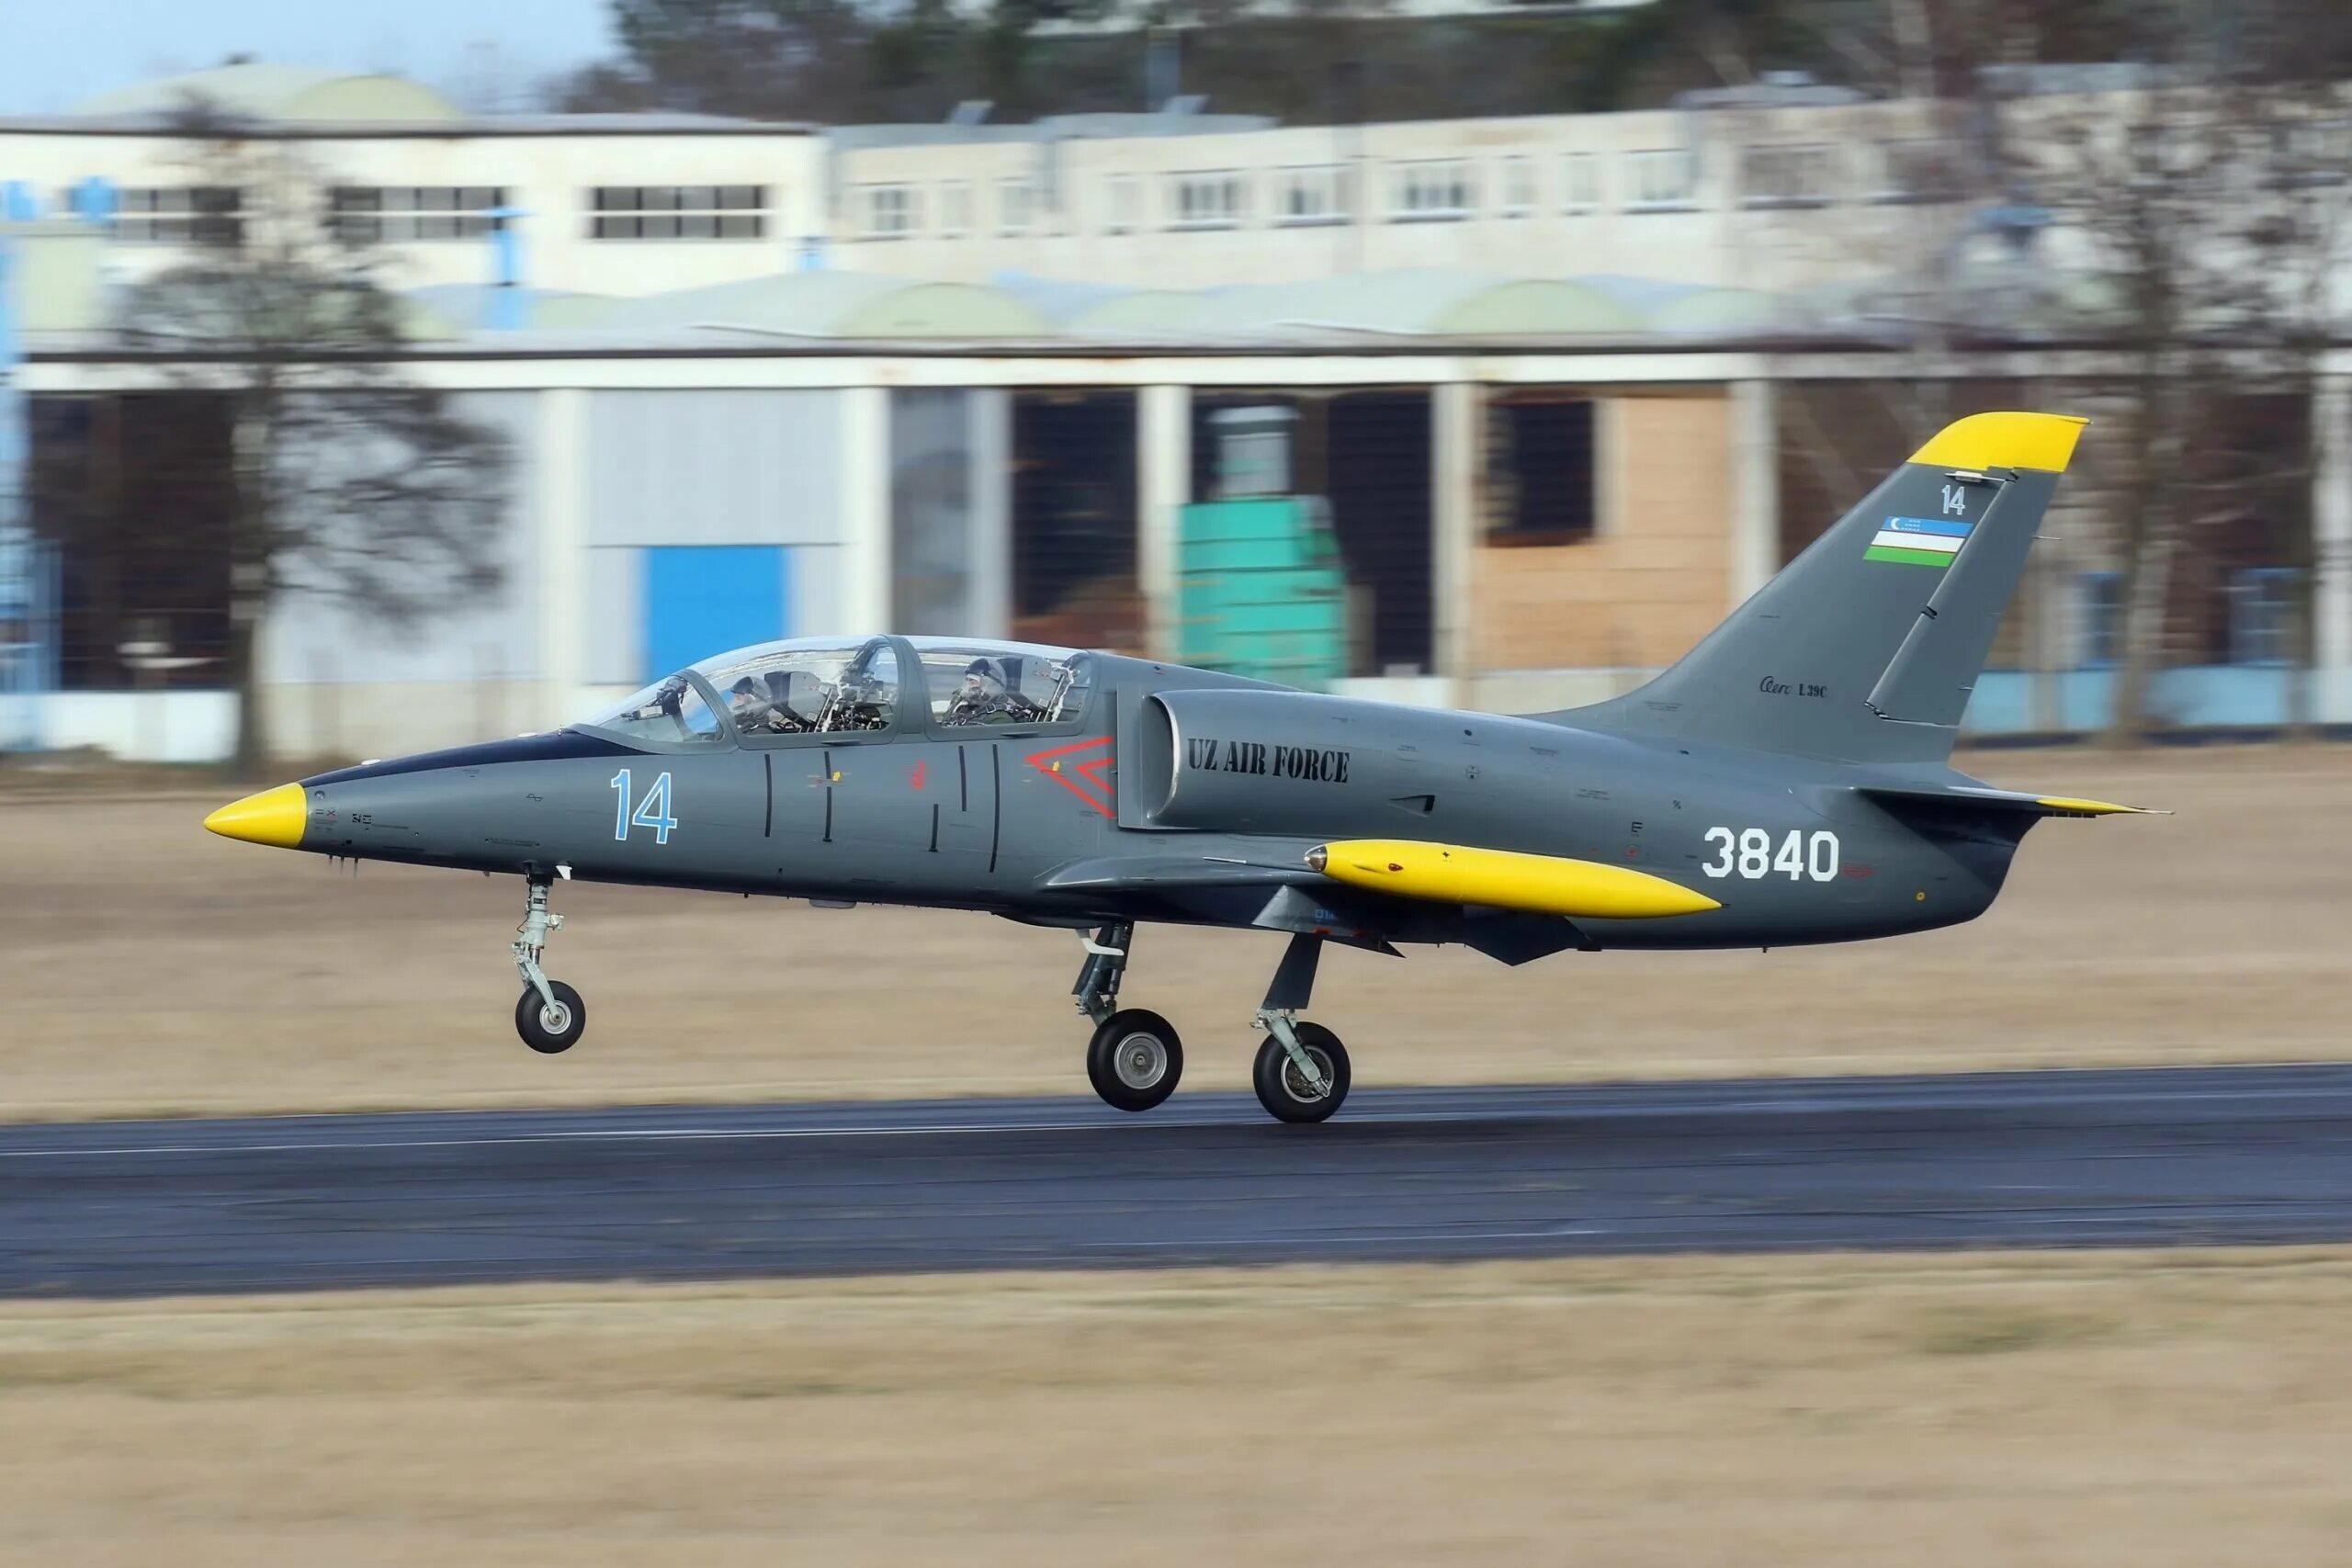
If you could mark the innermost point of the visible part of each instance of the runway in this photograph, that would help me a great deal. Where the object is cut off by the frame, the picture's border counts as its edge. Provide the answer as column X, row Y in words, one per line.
column 2188, row 1156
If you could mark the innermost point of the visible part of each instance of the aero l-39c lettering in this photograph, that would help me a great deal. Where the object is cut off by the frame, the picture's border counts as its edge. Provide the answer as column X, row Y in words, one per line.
column 1787, row 781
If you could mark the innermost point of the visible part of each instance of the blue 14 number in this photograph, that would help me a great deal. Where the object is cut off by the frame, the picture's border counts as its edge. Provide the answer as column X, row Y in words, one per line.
column 652, row 812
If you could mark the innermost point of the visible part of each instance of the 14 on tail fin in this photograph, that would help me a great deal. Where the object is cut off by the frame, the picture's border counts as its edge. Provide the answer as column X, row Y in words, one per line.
column 1865, row 647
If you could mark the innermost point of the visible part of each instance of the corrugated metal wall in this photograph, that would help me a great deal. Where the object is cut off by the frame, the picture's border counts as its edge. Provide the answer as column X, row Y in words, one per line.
column 497, row 639
column 673, row 468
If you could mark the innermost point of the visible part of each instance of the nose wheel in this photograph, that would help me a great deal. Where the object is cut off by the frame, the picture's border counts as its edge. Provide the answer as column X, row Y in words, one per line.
column 549, row 1015
column 549, row 1024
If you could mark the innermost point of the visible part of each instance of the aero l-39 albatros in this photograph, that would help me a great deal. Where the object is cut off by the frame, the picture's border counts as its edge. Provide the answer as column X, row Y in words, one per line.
column 1786, row 781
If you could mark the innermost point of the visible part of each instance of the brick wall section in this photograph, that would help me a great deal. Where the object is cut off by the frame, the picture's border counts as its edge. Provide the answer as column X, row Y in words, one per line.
column 1657, row 577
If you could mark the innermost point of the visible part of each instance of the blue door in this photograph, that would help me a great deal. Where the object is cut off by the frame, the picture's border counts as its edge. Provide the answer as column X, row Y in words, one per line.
column 704, row 599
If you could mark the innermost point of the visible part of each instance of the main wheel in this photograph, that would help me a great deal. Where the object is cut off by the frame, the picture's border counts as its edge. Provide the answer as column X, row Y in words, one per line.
column 1134, row 1059
column 1282, row 1089
column 549, row 1029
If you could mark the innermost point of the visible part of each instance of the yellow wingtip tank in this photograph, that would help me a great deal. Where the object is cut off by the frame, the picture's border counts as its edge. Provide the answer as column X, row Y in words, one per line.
column 2069, row 805
column 1454, row 874
column 2040, row 441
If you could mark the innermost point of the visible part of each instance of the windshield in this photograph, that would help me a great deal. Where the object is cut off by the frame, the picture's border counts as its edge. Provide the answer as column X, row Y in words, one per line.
column 806, row 687
column 672, row 710
column 971, row 682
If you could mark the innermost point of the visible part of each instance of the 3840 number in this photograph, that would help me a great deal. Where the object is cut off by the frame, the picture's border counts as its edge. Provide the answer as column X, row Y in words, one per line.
column 1749, row 853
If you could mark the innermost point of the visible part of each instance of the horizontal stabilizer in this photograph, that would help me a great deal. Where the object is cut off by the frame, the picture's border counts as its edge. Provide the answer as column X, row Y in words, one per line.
column 2006, row 800
column 1503, row 879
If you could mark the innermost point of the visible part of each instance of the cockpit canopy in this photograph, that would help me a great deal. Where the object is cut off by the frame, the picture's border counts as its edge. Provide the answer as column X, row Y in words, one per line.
column 833, row 686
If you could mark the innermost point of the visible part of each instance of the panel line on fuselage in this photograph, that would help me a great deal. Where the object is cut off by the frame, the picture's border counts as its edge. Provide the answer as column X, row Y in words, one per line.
column 996, row 801
column 827, row 758
column 767, row 814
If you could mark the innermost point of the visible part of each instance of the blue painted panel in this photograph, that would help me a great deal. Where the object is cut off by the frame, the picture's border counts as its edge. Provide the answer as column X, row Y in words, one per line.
column 704, row 599
column 2084, row 698
column 2001, row 704
column 2222, row 697
column 2207, row 696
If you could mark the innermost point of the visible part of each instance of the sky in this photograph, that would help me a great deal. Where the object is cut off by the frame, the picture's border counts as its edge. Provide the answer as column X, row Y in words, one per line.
column 56, row 54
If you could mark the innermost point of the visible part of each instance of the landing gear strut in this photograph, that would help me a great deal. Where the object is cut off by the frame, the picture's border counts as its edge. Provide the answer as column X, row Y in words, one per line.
column 1302, row 1071
column 1135, row 1058
column 549, row 1014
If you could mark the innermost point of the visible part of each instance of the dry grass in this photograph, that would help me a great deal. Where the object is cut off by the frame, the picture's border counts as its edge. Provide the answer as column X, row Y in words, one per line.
column 149, row 968
column 2092, row 1409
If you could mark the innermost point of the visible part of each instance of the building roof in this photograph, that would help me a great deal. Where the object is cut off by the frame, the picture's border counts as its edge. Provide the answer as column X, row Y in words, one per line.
column 833, row 305
column 1414, row 301
column 1046, row 127
column 267, row 90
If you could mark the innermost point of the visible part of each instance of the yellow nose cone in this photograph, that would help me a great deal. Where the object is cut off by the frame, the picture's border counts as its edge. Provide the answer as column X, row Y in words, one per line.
column 273, row 817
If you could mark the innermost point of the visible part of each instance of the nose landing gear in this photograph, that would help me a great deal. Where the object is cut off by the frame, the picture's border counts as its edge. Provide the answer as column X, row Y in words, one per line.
column 549, row 1015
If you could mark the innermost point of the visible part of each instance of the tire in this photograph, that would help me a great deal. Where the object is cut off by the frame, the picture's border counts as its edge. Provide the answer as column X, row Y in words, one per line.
column 545, row 1034
column 1279, row 1089
column 1134, row 1059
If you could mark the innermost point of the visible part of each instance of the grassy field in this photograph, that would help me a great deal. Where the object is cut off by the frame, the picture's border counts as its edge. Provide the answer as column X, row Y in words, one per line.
column 2086, row 1409
column 148, row 968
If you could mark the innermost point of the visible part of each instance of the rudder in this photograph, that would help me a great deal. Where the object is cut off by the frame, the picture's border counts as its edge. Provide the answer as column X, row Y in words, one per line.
column 1866, row 647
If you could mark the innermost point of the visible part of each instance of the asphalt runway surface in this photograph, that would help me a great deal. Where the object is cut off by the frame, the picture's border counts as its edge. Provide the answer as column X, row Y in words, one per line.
column 2236, row 1156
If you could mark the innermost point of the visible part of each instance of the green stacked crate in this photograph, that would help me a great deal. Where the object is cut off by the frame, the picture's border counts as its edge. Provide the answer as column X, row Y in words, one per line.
column 1260, row 591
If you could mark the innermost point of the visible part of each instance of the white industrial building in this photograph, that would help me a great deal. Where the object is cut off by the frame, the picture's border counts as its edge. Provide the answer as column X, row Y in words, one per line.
column 768, row 380
column 1782, row 189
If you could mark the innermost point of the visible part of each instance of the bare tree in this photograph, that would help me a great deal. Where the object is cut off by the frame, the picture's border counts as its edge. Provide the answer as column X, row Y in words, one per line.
column 2197, row 192
column 351, row 481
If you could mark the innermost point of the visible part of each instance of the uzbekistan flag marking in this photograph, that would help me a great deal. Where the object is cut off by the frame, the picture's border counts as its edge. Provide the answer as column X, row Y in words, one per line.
column 1919, row 541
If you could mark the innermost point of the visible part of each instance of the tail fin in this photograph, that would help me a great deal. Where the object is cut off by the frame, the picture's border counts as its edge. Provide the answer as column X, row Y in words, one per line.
column 1866, row 647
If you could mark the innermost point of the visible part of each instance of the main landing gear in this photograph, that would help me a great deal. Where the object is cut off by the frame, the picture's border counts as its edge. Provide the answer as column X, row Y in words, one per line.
column 549, row 1014
column 1135, row 1058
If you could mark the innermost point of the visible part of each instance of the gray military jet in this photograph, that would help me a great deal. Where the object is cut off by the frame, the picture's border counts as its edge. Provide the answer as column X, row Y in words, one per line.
column 1786, row 781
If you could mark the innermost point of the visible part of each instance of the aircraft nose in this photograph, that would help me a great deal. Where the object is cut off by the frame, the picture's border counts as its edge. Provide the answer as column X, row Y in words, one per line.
column 273, row 817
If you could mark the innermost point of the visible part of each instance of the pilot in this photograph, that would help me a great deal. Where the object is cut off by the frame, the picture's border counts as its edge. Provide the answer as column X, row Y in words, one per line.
column 753, row 713
column 981, row 693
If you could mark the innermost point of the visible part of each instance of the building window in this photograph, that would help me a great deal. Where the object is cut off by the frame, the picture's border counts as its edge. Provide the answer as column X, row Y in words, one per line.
column 1921, row 171
column 369, row 215
column 1309, row 195
column 888, row 213
column 1433, row 190
column 955, row 210
column 1581, row 172
column 1519, row 187
column 2099, row 619
column 1665, row 179
column 2262, row 614
column 1777, row 176
column 1210, row 198
column 1541, row 477
column 678, row 212
column 1122, row 203
column 1016, row 202
column 180, row 215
